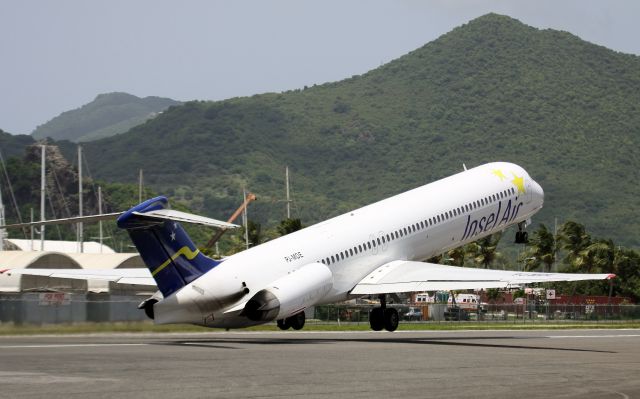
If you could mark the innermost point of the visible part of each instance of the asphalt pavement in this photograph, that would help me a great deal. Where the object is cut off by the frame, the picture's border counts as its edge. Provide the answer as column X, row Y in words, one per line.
column 452, row 364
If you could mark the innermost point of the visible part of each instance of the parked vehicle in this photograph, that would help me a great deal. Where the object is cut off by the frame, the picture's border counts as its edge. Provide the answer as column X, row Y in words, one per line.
column 456, row 313
column 413, row 314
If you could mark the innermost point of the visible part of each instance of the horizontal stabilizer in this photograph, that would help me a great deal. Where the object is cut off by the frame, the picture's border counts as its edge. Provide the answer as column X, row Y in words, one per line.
column 170, row 214
column 137, row 276
column 77, row 219
column 160, row 214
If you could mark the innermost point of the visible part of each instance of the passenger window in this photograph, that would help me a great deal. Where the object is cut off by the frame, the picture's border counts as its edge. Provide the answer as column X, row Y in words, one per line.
column 379, row 241
column 351, row 251
column 369, row 245
column 332, row 259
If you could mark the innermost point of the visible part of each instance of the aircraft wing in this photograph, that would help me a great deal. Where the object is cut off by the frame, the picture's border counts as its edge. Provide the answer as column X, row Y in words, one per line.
column 137, row 276
column 407, row 276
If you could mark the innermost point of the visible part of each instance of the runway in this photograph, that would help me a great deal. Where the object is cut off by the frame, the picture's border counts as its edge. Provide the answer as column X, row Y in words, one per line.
column 452, row 364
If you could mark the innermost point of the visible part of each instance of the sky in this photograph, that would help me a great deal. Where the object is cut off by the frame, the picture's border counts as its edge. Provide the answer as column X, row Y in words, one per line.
column 58, row 55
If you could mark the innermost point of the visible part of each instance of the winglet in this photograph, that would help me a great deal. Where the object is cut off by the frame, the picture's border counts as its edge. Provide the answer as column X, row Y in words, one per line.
column 2, row 271
column 611, row 276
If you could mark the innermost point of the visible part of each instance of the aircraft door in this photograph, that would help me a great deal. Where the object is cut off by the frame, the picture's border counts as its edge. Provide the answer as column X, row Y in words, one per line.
column 528, row 192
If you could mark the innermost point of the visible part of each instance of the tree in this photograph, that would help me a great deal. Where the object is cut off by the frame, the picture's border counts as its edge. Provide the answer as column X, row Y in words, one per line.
column 288, row 226
column 598, row 256
column 542, row 250
column 574, row 239
column 455, row 256
column 484, row 250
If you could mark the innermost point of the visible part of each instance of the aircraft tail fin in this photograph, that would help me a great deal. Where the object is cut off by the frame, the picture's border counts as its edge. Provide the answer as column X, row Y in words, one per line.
column 166, row 249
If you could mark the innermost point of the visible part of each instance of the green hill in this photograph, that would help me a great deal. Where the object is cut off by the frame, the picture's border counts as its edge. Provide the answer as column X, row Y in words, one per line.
column 108, row 115
column 493, row 89
column 13, row 145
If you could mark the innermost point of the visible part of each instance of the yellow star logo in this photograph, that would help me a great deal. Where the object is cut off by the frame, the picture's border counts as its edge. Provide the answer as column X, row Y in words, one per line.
column 518, row 182
column 499, row 173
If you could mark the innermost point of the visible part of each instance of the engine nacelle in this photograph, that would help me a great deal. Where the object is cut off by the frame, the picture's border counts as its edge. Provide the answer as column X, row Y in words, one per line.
column 290, row 294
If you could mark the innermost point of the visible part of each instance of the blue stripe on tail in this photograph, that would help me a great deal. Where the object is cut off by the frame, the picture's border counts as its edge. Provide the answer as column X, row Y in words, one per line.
column 166, row 249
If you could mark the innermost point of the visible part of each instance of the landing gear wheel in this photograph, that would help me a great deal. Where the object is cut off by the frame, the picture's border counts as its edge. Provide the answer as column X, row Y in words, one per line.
column 376, row 319
column 521, row 236
column 391, row 319
column 283, row 324
column 296, row 321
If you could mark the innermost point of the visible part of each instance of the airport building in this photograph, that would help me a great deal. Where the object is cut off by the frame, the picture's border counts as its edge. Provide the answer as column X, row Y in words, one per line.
column 38, row 300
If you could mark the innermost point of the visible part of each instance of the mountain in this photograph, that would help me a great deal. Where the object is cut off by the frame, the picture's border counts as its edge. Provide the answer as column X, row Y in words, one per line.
column 493, row 89
column 13, row 145
column 108, row 115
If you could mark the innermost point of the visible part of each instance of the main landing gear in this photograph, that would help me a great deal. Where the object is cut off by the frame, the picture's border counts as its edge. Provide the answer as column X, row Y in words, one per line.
column 521, row 236
column 296, row 322
column 383, row 317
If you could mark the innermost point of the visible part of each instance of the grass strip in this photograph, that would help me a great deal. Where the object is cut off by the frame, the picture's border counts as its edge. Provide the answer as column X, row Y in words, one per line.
column 148, row 327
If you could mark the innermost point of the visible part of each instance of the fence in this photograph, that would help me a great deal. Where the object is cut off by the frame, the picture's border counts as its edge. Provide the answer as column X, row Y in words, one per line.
column 52, row 308
column 503, row 313
column 55, row 307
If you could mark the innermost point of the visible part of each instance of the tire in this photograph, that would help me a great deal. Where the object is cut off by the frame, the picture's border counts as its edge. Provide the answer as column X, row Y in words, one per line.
column 391, row 319
column 296, row 321
column 376, row 319
column 283, row 324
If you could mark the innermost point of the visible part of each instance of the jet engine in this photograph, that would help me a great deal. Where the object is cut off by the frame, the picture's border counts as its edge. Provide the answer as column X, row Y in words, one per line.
column 290, row 294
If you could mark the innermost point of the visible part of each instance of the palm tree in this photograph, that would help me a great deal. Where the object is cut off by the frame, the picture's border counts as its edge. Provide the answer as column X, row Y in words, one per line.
column 542, row 250
column 287, row 226
column 455, row 256
column 485, row 250
column 574, row 239
column 599, row 256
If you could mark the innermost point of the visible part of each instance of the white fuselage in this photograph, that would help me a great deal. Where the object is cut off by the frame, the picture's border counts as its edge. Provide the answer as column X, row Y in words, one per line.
column 414, row 225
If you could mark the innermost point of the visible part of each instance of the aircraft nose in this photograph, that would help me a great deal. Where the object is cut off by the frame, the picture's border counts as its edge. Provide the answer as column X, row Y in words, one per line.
column 538, row 192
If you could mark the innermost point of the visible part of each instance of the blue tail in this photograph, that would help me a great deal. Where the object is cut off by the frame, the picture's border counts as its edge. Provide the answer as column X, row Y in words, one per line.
column 166, row 249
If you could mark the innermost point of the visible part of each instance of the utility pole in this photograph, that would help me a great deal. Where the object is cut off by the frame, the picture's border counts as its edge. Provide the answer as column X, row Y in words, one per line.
column 100, row 213
column 42, row 193
column 140, row 187
column 2, row 222
column 245, row 220
column 288, row 198
column 80, row 227
column 31, row 228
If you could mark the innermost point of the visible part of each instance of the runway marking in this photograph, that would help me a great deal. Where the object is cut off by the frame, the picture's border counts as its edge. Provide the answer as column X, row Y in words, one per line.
column 65, row 345
column 594, row 336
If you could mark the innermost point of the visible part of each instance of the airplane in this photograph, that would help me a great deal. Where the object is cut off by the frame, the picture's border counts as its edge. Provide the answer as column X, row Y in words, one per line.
column 378, row 249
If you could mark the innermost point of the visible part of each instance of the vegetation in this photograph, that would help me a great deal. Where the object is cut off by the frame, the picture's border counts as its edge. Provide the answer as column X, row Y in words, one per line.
column 149, row 327
column 108, row 115
column 13, row 145
column 493, row 89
